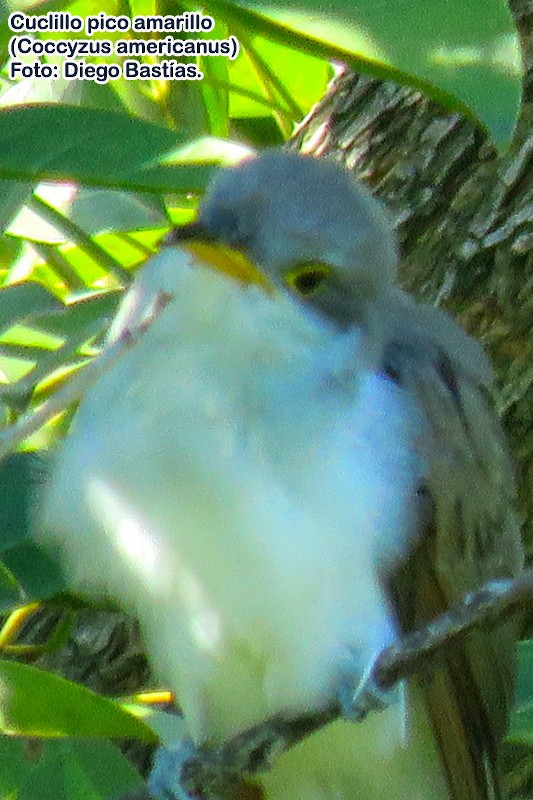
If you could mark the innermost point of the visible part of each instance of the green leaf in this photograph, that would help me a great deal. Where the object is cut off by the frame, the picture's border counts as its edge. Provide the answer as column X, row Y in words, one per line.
column 15, row 767
column 27, row 572
column 84, row 312
column 83, row 771
column 37, row 703
column 64, row 770
column 302, row 76
column 96, row 210
column 29, row 352
column 524, row 673
column 37, row 572
column 521, row 727
column 465, row 54
column 23, row 301
column 20, row 475
column 74, row 149
column 12, row 197
column 11, row 595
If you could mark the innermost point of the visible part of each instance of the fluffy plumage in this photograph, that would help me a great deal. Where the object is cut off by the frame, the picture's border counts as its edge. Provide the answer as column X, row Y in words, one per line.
column 277, row 484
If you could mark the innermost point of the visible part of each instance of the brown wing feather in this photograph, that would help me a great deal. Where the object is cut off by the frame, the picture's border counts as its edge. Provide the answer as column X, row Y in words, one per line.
column 468, row 534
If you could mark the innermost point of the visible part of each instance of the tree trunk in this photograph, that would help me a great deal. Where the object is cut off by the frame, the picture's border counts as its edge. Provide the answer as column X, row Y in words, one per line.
column 464, row 219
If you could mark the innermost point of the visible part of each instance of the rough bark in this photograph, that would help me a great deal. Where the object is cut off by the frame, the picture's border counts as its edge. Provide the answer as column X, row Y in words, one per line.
column 465, row 222
column 464, row 219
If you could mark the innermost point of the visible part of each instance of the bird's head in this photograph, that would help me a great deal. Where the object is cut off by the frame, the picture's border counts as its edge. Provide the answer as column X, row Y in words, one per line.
column 306, row 226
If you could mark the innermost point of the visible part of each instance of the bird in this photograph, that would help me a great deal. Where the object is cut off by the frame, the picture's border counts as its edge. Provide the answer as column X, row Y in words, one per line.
column 293, row 466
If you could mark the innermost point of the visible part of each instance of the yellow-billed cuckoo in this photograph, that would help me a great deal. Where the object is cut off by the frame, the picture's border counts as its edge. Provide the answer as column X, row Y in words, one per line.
column 294, row 464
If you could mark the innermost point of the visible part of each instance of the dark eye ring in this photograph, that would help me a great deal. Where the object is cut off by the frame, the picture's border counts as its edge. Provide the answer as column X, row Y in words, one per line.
column 307, row 280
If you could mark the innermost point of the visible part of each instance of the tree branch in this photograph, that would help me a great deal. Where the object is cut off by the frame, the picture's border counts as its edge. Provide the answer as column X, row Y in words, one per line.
column 217, row 772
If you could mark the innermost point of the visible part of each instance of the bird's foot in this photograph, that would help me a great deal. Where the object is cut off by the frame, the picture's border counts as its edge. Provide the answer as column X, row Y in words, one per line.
column 186, row 772
column 166, row 778
column 362, row 694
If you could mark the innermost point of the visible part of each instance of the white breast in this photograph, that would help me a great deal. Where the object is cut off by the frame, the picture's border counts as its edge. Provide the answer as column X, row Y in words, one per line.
column 235, row 481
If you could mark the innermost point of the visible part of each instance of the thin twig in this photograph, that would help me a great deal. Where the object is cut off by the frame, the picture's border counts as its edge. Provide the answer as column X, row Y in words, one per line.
column 217, row 772
column 485, row 606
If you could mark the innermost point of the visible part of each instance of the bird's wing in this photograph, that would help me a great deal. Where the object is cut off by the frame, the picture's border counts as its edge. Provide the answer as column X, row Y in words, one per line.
column 468, row 535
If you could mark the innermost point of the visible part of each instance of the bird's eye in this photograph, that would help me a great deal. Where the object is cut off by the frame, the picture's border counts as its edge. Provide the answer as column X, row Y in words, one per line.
column 307, row 279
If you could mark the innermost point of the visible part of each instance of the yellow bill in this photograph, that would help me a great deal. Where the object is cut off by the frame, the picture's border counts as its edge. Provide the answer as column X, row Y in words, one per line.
column 229, row 262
